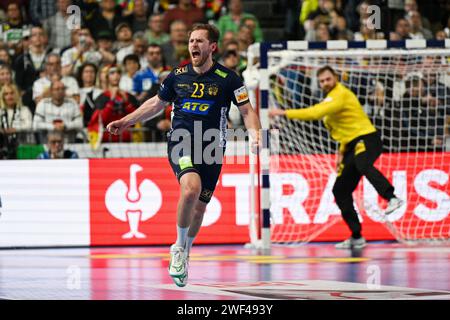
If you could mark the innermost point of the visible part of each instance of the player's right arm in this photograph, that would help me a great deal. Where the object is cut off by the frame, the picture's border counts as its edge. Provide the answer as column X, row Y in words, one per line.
column 147, row 110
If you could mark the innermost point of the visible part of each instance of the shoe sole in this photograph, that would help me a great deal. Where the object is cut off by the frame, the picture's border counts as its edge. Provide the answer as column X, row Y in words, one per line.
column 178, row 281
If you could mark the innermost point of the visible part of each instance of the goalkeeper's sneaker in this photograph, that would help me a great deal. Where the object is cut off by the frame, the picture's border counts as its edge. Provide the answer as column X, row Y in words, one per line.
column 177, row 264
column 352, row 243
column 393, row 205
column 182, row 281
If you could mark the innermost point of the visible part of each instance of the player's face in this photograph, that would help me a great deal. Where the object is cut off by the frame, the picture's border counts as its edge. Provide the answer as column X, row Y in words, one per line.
column 200, row 48
column 327, row 81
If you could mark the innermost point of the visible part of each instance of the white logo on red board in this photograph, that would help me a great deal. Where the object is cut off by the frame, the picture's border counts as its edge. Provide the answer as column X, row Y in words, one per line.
column 133, row 203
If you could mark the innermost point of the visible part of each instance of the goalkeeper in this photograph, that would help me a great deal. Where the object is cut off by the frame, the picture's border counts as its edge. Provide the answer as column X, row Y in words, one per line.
column 359, row 147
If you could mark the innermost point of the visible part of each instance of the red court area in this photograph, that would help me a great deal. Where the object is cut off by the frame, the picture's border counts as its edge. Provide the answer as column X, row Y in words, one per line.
column 231, row 272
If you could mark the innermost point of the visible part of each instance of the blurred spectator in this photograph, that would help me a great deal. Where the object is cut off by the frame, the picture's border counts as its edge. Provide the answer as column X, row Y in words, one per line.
column 14, row 18
column 321, row 15
column 160, row 124
column 245, row 39
column 420, row 117
column 5, row 58
column 385, row 116
column 105, row 43
column 138, row 48
column 434, row 81
column 83, row 51
column 14, row 118
column 417, row 30
column 185, row 11
column 57, row 112
column 233, row 20
column 41, row 10
column 411, row 5
column 52, row 70
column 308, row 7
column 251, row 23
column 111, row 105
column 402, row 30
column 291, row 25
column 155, row 32
column 354, row 17
column 102, row 77
column 318, row 33
column 86, row 77
column 144, row 80
column 138, row 20
column 124, row 36
column 233, row 45
column 55, row 148
column 226, row 38
column 5, row 75
column 367, row 32
column 106, row 17
column 447, row 28
column 131, row 66
column 440, row 35
column 57, row 26
column 230, row 59
column 28, row 65
column 11, row 30
column 338, row 28
column 178, row 38
column 213, row 9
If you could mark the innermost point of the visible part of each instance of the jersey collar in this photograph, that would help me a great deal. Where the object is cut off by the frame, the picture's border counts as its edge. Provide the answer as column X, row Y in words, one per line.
column 212, row 69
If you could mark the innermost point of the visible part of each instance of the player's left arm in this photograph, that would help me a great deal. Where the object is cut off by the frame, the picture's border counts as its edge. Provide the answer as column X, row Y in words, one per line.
column 251, row 121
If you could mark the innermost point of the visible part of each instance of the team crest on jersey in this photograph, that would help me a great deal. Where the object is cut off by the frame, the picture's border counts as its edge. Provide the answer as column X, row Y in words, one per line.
column 213, row 90
column 241, row 94
column 181, row 70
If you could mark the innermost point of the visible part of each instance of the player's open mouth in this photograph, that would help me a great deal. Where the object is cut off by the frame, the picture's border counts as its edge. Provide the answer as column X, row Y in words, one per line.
column 195, row 54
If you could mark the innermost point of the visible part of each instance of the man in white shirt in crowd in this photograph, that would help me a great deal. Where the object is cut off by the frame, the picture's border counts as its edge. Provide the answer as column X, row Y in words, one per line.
column 53, row 69
column 57, row 25
column 83, row 51
column 130, row 67
column 57, row 112
column 138, row 48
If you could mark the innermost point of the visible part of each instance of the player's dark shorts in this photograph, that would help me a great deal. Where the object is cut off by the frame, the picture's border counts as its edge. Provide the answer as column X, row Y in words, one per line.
column 182, row 161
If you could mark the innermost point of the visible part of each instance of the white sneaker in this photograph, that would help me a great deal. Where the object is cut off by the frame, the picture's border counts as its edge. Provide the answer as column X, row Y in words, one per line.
column 182, row 281
column 177, row 264
column 351, row 243
column 393, row 205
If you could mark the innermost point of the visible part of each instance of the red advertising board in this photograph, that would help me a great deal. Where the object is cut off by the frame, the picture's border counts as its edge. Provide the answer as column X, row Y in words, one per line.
column 120, row 218
column 134, row 201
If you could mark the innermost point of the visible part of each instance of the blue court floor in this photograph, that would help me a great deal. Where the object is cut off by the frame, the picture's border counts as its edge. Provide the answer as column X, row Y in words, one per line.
column 314, row 271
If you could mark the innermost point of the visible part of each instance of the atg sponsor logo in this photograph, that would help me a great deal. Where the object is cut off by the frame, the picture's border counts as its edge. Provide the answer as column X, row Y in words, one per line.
column 196, row 106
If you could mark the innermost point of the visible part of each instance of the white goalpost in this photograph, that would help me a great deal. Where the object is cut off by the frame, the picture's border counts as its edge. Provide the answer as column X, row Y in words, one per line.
column 404, row 88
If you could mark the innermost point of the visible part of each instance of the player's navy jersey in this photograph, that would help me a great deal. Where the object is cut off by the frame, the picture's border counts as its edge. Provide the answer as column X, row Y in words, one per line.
column 202, row 97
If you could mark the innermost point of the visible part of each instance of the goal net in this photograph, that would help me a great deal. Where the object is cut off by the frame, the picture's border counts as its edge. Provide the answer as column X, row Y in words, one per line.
column 406, row 94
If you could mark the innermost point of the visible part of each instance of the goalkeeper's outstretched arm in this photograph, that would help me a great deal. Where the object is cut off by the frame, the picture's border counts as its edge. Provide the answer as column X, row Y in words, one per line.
column 147, row 110
column 316, row 112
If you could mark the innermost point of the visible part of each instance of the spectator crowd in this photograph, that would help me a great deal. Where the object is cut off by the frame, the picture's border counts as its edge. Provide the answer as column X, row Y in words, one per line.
column 69, row 67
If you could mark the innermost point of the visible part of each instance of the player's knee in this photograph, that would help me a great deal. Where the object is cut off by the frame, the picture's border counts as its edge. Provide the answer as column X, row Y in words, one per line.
column 191, row 191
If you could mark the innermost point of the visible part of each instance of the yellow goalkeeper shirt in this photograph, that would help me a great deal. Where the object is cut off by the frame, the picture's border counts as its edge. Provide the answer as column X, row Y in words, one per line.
column 342, row 115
